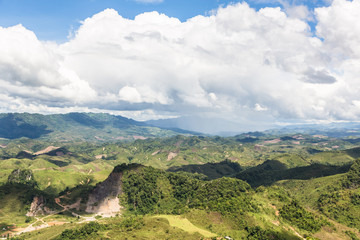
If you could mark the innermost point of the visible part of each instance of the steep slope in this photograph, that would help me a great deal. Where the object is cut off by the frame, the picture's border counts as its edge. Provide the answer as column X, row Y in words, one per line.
column 337, row 196
column 272, row 171
column 189, row 208
column 104, row 199
column 210, row 170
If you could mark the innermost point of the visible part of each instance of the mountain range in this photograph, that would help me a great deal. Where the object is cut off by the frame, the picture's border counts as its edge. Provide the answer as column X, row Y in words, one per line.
column 136, row 181
column 95, row 127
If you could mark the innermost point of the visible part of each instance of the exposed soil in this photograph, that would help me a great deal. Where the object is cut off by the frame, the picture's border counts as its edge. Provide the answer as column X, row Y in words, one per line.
column 46, row 150
column 101, row 156
column 154, row 153
column 56, row 223
column 139, row 137
column 276, row 211
column 171, row 156
column 277, row 140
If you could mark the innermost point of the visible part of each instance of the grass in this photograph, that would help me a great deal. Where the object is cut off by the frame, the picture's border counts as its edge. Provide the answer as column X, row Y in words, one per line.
column 216, row 223
column 12, row 210
column 332, row 157
column 195, row 224
column 47, row 233
column 154, row 228
column 309, row 191
column 53, row 181
column 184, row 224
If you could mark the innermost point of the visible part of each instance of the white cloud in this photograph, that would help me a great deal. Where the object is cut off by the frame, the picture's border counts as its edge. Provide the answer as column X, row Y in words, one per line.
column 130, row 94
column 260, row 108
column 238, row 63
column 299, row 11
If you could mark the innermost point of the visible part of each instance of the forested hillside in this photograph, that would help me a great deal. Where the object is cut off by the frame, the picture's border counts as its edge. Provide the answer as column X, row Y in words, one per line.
column 93, row 127
column 250, row 186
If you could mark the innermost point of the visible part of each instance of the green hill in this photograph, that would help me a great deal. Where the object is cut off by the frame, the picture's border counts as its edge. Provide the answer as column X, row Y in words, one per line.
column 165, row 205
column 272, row 171
column 336, row 196
column 76, row 127
column 251, row 186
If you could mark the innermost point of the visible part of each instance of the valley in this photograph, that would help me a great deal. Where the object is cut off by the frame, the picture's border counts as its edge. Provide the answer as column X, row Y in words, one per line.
column 180, row 120
column 259, row 185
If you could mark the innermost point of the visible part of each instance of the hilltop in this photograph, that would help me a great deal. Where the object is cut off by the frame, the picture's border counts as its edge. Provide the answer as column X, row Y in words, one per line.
column 256, row 185
column 93, row 127
column 148, row 203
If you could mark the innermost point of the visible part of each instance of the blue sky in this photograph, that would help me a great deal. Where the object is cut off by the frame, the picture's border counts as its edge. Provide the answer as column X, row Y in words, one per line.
column 53, row 19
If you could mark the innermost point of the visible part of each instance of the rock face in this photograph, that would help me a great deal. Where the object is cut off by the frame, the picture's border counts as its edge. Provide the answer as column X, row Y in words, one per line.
column 104, row 198
column 22, row 176
column 38, row 207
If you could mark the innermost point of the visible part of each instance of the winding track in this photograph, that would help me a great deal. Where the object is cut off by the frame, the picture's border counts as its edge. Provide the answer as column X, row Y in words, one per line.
column 44, row 224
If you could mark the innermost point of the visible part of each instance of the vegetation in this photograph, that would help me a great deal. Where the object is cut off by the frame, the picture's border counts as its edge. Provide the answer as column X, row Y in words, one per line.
column 353, row 176
column 24, row 177
column 256, row 233
column 273, row 171
column 88, row 231
column 301, row 218
column 341, row 202
column 250, row 186
column 76, row 126
column 148, row 190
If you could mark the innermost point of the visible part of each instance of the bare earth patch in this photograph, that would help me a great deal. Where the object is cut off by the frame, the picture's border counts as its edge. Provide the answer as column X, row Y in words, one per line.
column 56, row 223
column 139, row 137
column 171, row 156
column 277, row 140
column 46, row 150
column 276, row 211
column 100, row 156
column 154, row 153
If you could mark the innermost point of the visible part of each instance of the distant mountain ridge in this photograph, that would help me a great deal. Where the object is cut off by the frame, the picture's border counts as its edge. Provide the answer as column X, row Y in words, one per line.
column 212, row 126
column 226, row 128
column 78, row 127
column 334, row 129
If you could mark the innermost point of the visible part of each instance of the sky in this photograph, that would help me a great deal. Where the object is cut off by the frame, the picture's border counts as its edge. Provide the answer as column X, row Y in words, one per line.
column 253, row 63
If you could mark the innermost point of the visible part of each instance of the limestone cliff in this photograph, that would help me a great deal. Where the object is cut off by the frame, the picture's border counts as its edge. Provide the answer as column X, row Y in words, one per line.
column 38, row 207
column 104, row 199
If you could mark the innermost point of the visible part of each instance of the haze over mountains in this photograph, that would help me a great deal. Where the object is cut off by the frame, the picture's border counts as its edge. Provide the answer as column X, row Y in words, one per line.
column 77, row 126
column 57, row 172
column 214, row 126
column 232, row 119
column 102, row 127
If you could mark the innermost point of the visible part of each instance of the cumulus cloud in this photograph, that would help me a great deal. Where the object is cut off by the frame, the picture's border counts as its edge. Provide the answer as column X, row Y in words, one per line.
column 33, row 70
column 130, row 94
column 238, row 63
column 298, row 11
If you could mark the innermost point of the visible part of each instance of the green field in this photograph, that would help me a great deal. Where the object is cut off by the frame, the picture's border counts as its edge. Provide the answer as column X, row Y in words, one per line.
column 185, row 224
